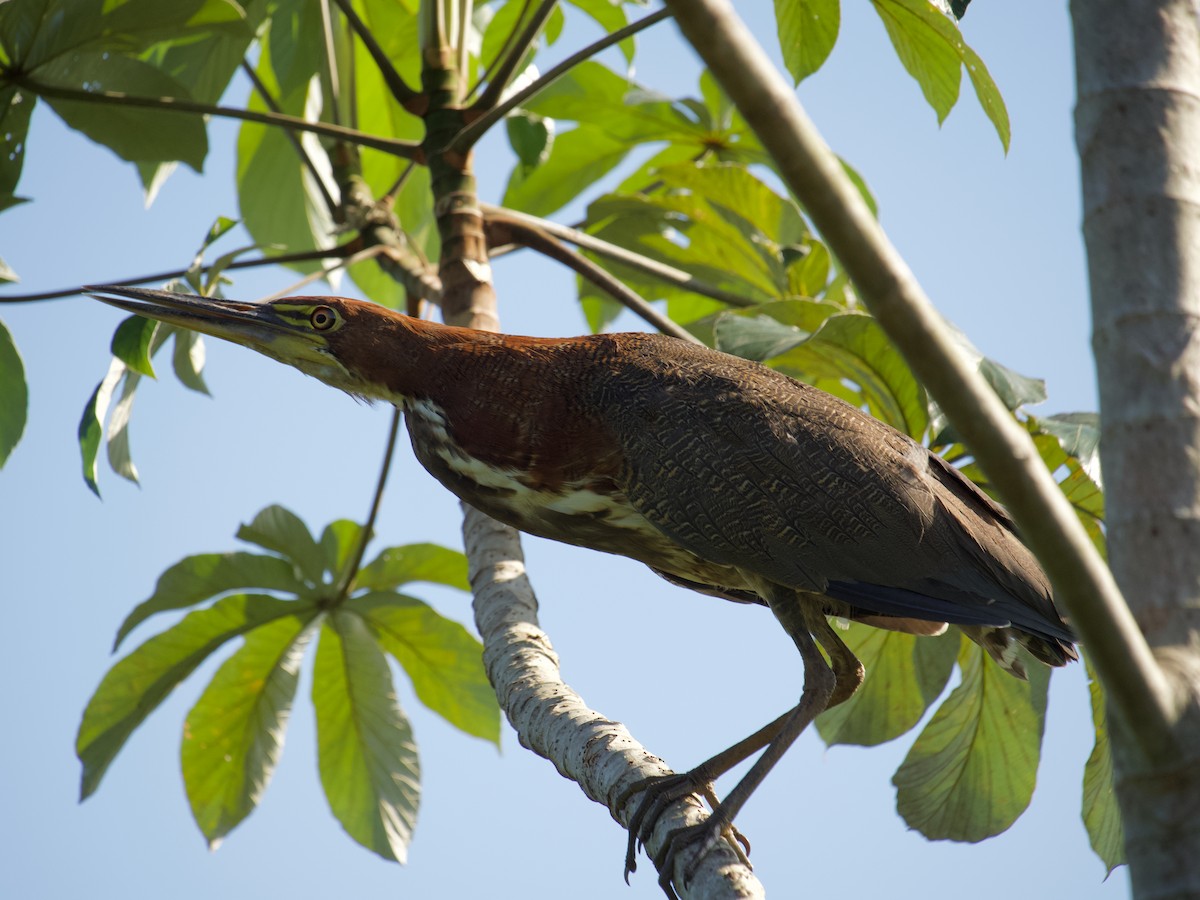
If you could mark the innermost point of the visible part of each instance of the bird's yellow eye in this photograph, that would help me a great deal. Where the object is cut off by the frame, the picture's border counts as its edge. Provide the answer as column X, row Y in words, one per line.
column 323, row 318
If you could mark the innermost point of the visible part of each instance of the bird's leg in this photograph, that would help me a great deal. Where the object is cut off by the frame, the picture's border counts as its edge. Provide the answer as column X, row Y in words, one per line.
column 802, row 619
column 846, row 666
column 662, row 790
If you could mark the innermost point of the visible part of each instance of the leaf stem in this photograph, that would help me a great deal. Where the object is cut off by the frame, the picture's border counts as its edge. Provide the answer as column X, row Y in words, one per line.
column 509, row 228
column 351, row 570
column 499, row 79
column 403, row 149
column 341, row 251
column 405, row 95
column 619, row 254
column 478, row 127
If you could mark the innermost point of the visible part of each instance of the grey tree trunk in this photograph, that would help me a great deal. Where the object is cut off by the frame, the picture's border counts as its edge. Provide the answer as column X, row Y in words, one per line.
column 1138, row 134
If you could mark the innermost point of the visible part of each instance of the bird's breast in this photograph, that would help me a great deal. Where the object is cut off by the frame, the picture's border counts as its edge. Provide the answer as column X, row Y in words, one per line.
column 592, row 511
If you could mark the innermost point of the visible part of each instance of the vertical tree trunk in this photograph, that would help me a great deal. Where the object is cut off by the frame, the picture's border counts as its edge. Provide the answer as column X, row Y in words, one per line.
column 1138, row 134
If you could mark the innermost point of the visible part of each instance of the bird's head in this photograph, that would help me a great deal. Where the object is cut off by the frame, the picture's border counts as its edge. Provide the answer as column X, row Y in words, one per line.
column 333, row 339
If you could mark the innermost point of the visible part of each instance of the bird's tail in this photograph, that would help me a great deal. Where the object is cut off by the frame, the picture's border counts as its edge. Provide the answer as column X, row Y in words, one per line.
column 1002, row 643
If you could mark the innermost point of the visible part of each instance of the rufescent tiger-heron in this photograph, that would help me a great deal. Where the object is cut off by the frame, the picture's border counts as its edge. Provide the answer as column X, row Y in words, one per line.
column 720, row 474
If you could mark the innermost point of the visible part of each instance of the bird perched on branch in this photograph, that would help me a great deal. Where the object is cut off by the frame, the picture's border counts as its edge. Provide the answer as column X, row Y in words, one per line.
column 721, row 475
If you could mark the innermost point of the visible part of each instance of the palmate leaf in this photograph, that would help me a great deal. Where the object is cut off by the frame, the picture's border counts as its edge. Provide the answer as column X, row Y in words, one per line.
column 281, row 530
column 367, row 758
column 233, row 736
column 971, row 771
column 139, row 682
column 441, row 657
column 905, row 674
column 195, row 579
column 396, row 566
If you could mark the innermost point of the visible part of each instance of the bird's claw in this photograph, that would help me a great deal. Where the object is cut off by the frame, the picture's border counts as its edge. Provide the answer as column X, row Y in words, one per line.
column 658, row 793
column 703, row 838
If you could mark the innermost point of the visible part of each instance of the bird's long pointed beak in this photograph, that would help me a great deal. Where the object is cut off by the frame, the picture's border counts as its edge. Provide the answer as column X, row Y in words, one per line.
column 249, row 324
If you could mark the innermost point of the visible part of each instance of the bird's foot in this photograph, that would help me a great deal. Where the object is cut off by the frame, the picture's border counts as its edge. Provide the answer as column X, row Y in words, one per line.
column 659, row 792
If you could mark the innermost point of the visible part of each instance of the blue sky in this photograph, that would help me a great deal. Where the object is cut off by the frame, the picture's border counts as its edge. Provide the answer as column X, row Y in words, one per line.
column 995, row 241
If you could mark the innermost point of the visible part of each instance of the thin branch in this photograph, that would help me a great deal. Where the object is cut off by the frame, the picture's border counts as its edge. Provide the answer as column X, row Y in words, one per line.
column 466, row 138
column 334, row 87
column 489, row 65
column 301, row 256
column 636, row 261
column 403, row 149
column 1136, row 685
column 538, row 240
column 504, row 72
column 465, row 9
column 368, row 253
column 305, row 158
column 405, row 95
column 347, row 577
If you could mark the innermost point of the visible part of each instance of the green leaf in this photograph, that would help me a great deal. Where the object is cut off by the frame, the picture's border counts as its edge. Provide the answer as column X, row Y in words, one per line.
column 988, row 94
column 756, row 337
column 233, row 736
column 339, row 541
column 134, row 134
column 905, row 674
column 120, row 458
column 918, row 32
column 808, row 30
column 367, row 758
column 1101, row 815
column 281, row 530
column 91, row 423
column 195, row 579
column 279, row 204
column 1014, row 389
column 530, row 136
column 610, row 16
column 593, row 94
column 577, row 159
column 932, row 50
column 139, row 682
column 395, row 566
column 14, row 395
column 443, row 659
column 16, row 106
column 971, row 772
column 1079, row 435
column 188, row 359
column 131, row 344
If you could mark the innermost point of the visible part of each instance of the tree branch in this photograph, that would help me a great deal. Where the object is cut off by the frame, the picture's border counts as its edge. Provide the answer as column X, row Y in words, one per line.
column 340, row 252
column 499, row 78
column 553, row 721
column 1081, row 580
column 636, row 261
column 407, row 97
column 466, row 138
column 403, row 149
column 508, row 229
